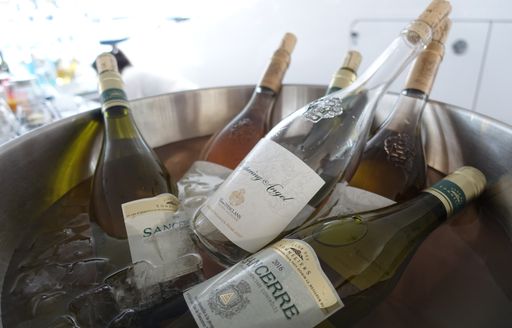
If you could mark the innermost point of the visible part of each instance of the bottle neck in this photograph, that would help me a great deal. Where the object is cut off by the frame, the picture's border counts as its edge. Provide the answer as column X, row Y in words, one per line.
column 407, row 112
column 274, row 74
column 115, row 107
column 423, row 73
column 111, row 89
column 342, row 79
column 391, row 62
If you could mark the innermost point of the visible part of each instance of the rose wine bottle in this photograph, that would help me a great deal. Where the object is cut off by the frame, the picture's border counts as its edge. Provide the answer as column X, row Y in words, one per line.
column 231, row 144
column 393, row 162
column 337, row 269
column 293, row 167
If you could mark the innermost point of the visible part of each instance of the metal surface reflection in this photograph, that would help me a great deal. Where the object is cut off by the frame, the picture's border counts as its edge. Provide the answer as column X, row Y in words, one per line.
column 460, row 275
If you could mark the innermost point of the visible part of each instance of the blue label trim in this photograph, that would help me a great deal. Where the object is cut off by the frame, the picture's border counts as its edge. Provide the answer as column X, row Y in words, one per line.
column 453, row 193
column 113, row 94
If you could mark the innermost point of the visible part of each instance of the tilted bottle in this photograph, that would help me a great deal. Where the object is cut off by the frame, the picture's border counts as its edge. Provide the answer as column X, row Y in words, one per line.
column 339, row 268
column 281, row 176
column 127, row 167
column 393, row 162
column 343, row 77
column 231, row 144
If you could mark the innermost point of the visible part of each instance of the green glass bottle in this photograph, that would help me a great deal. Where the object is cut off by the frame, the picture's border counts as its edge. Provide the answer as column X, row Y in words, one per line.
column 127, row 168
column 338, row 269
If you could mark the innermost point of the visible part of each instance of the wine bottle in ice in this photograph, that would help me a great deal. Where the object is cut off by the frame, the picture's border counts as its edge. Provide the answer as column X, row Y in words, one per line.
column 127, row 168
column 231, row 144
column 337, row 269
column 291, row 169
column 393, row 162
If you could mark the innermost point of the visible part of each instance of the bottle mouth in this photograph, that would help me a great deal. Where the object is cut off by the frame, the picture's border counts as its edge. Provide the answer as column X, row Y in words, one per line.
column 417, row 32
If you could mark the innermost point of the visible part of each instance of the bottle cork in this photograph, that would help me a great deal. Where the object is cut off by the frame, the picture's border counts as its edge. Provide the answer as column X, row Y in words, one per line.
column 347, row 73
column 273, row 76
column 288, row 42
column 426, row 66
column 428, row 21
column 106, row 62
column 435, row 13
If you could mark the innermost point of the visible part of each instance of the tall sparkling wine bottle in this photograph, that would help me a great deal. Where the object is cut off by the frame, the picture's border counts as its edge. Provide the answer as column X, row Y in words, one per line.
column 231, row 144
column 337, row 269
column 127, row 168
column 291, row 169
column 393, row 162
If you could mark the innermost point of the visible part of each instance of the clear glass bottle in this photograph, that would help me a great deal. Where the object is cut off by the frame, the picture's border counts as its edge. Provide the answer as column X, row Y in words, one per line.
column 343, row 77
column 287, row 170
column 231, row 144
column 339, row 268
column 393, row 162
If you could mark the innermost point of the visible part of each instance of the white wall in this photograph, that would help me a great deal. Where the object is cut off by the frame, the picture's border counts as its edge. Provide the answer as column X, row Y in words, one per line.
column 230, row 44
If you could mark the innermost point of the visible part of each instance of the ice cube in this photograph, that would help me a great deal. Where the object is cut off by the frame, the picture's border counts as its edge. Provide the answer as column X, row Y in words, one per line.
column 95, row 308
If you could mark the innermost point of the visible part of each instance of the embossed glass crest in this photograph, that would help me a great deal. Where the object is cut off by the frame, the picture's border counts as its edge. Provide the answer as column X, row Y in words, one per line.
column 400, row 150
column 327, row 107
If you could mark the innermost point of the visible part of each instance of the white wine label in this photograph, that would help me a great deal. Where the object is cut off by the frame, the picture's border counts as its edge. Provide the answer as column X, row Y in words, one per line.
column 260, row 198
column 303, row 259
column 280, row 286
column 160, row 236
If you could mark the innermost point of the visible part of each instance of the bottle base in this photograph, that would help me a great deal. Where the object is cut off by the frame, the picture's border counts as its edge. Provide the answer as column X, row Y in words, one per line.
column 221, row 249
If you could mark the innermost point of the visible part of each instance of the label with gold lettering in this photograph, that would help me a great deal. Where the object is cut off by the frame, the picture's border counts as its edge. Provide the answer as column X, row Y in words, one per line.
column 280, row 286
column 159, row 234
column 262, row 196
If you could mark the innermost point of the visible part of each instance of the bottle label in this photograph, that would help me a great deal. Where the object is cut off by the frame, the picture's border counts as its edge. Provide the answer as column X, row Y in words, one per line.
column 280, row 286
column 450, row 194
column 260, row 198
column 160, row 236
column 111, row 88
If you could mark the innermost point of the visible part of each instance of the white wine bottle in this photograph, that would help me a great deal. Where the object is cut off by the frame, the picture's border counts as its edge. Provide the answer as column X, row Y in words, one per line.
column 288, row 171
column 231, row 144
column 393, row 162
column 346, row 74
column 337, row 269
column 127, row 167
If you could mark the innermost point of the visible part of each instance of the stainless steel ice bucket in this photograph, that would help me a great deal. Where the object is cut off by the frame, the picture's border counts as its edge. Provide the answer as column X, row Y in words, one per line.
column 460, row 277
